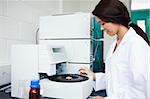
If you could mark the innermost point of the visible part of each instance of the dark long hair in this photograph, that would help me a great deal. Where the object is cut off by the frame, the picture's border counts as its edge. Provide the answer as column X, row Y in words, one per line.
column 116, row 12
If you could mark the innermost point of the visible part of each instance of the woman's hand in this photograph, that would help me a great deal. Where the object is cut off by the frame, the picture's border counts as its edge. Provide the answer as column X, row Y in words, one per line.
column 85, row 70
column 97, row 97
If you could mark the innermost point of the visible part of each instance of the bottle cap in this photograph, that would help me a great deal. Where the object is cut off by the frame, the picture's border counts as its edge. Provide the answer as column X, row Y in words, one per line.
column 35, row 84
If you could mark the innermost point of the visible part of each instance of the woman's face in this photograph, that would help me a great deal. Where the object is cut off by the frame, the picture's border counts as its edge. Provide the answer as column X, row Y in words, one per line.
column 109, row 27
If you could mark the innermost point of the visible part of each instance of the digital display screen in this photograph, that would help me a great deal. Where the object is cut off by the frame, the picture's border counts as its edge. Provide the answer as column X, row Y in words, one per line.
column 56, row 50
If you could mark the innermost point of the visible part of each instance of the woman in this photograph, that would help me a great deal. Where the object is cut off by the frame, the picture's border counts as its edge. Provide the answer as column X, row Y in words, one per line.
column 128, row 59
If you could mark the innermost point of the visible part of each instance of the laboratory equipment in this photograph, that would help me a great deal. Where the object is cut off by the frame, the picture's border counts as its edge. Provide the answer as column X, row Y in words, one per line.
column 65, row 45
column 40, row 62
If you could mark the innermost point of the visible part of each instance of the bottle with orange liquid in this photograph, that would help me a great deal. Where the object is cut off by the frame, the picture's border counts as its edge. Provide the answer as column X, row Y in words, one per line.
column 34, row 90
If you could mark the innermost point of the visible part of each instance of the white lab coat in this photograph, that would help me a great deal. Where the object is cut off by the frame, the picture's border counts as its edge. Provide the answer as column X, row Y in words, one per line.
column 126, row 75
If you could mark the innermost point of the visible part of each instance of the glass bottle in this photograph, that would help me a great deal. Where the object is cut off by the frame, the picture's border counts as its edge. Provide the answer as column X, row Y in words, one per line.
column 34, row 92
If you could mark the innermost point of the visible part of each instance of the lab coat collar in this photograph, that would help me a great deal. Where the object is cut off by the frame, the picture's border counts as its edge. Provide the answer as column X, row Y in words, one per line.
column 128, row 35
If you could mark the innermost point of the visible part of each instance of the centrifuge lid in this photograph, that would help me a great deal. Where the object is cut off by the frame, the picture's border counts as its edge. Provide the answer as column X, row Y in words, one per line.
column 68, row 78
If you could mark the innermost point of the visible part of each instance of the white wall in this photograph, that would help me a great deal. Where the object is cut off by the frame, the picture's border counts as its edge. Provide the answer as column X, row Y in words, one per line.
column 88, row 5
column 140, row 4
column 13, row 22
column 71, row 6
column 19, row 22
column 18, row 25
